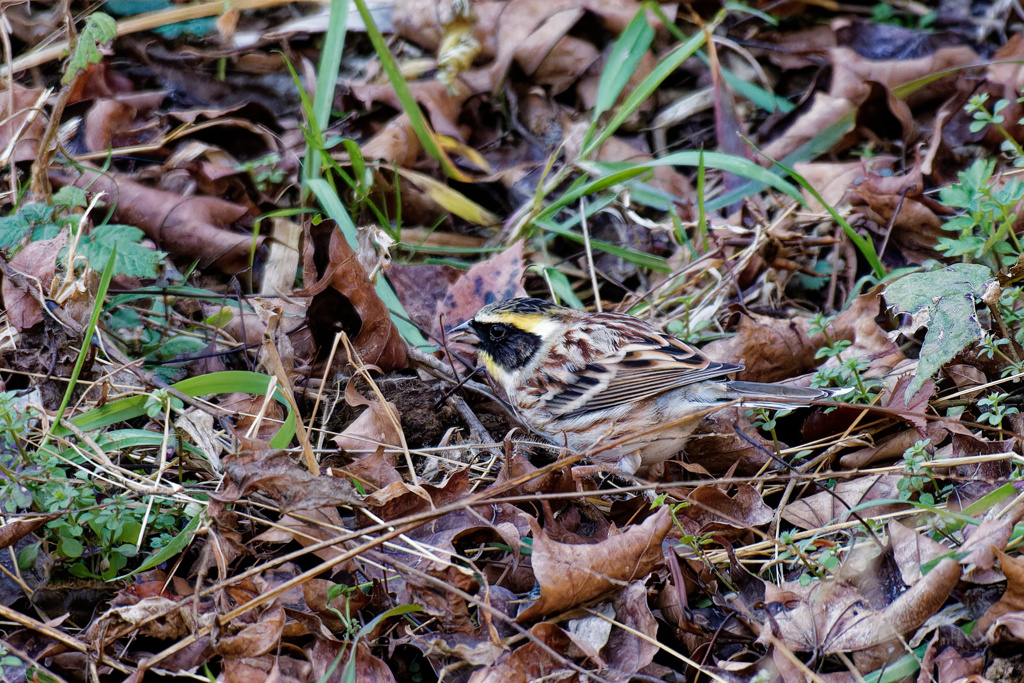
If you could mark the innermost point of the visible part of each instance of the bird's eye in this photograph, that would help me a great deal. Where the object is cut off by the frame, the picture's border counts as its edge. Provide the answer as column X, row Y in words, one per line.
column 497, row 331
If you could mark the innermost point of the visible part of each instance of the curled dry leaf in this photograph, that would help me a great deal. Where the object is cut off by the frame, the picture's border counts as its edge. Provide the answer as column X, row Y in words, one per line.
column 190, row 227
column 291, row 486
column 912, row 551
column 892, row 447
column 976, row 480
column 836, row 616
column 829, row 507
column 572, row 574
column 627, row 651
column 378, row 425
column 715, row 510
column 396, row 143
column 987, row 539
column 14, row 531
column 344, row 300
column 38, row 263
column 834, row 180
column 898, row 207
column 253, row 640
column 156, row 617
column 870, row 342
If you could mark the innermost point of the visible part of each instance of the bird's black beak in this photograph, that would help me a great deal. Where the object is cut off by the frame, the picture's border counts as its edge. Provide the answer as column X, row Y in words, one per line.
column 464, row 333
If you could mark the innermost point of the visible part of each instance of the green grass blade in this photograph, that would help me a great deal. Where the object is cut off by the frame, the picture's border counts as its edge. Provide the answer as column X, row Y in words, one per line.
column 405, row 96
column 90, row 330
column 215, row 383
column 336, row 212
column 623, row 61
column 648, row 85
column 169, row 551
column 610, row 175
column 326, row 80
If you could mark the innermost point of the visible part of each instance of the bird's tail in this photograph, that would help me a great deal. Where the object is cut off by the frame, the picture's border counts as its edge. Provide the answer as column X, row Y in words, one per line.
column 778, row 396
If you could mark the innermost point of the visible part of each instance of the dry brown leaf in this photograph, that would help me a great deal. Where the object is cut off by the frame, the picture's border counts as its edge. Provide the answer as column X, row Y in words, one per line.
column 443, row 109
column 345, row 300
column 898, row 206
column 38, row 262
column 253, row 640
column 291, row 486
column 771, row 349
column 829, row 507
column 530, row 662
column 13, row 531
column 190, row 227
column 1012, row 599
column 246, row 406
column 976, row 480
column 1007, row 629
column 715, row 510
column 572, row 574
column 985, row 541
column 396, row 143
column 378, row 425
column 626, row 651
column 912, row 551
column 892, row 447
column 835, row 615
column 833, row 180
column 420, row 288
column 496, row 279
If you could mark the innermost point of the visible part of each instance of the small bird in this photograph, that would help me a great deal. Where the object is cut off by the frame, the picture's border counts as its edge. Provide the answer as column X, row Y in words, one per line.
column 586, row 380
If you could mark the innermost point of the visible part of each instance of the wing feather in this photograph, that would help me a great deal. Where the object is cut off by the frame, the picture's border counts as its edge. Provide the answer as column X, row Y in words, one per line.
column 641, row 364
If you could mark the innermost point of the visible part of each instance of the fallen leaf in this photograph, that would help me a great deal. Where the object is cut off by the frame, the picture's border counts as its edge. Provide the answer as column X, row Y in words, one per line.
column 572, row 574
column 344, row 300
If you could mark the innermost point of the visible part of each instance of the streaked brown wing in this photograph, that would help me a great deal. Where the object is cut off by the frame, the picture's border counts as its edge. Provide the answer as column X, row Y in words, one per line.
column 645, row 366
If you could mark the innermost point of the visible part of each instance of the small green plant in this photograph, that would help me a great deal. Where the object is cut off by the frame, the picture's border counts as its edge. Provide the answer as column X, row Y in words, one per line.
column 983, row 118
column 99, row 529
column 993, row 412
column 884, row 13
column 266, row 171
column 849, row 372
column 7, row 663
column 916, row 476
column 801, row 552
column 766, row 420
column 984, row 225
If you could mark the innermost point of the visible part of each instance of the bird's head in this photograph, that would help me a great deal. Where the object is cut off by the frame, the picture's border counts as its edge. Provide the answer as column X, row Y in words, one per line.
column 509, row 334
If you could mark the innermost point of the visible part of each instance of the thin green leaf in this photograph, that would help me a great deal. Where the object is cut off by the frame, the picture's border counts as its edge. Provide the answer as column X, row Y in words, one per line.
column 649, row 84
column 169, row 551
column 623, row 61
column 409, row 105
column 326, row 82
column 226, row 382
column 90, row 330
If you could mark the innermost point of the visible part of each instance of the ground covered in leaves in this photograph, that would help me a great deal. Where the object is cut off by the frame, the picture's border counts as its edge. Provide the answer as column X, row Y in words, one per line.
column 236, row 444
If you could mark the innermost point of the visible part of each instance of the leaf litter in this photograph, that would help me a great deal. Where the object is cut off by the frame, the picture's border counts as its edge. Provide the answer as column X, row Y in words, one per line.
column 312, row 484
